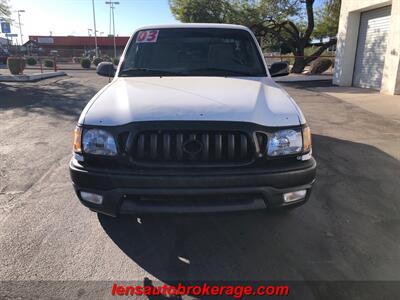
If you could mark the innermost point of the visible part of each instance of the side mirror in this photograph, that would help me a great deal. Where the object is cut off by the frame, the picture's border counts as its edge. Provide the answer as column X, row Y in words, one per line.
column 105, row 69
column 279, row 69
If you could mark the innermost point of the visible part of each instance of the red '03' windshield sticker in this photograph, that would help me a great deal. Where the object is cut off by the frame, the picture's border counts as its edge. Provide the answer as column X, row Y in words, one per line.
column 147, row 36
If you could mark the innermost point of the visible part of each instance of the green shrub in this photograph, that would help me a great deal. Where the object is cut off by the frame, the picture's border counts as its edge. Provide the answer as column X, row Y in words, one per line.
column 48, row 63
column 116, row 61
column 85, row 63
column 106, row 58
column 320, row 65
column 97, row 60
column 31, row 61
column 16, row 65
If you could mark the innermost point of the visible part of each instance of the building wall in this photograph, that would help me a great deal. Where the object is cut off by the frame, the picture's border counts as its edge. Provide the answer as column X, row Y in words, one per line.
column 347, row 44
column 70, row 51
column 76, row 45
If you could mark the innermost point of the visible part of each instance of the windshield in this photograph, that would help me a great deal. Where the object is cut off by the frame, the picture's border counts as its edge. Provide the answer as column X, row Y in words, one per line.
column 192, row 52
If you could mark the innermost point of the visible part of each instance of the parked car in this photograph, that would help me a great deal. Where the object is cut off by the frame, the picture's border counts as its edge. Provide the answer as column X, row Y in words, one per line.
column 191, row 122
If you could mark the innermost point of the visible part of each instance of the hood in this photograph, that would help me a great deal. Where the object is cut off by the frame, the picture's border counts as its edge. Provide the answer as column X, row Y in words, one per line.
column 251, row 99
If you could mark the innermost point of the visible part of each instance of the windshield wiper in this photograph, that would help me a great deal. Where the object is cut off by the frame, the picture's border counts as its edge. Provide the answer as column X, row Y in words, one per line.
column 160, row 72
column 234, row 72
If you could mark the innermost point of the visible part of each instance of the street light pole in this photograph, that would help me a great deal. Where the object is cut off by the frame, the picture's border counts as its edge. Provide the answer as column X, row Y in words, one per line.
column 109, row 23
column 115, row 48
column 95, row 31
column 112, row 7
column 19, row 23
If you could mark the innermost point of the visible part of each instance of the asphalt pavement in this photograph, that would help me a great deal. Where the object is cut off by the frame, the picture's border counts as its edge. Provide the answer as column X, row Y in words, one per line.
column 348, row 231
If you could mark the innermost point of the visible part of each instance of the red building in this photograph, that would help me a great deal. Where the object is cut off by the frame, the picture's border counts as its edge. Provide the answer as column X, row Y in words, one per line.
column 69, row 46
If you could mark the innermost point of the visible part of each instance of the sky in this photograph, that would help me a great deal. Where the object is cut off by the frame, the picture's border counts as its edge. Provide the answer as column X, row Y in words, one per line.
column 75, row 17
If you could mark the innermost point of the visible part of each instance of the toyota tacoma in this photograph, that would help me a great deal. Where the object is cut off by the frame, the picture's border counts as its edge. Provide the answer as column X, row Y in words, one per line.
column 192, row 122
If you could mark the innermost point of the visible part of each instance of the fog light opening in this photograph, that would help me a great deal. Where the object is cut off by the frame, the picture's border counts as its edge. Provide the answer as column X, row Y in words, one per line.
column 93, row 198
column 294, row 196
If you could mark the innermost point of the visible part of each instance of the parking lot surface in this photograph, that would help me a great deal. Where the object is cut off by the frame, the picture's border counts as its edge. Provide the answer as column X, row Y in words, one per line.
column 349, row 230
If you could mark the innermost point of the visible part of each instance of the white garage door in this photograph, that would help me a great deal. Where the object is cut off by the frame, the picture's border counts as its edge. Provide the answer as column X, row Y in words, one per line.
column 371, row 48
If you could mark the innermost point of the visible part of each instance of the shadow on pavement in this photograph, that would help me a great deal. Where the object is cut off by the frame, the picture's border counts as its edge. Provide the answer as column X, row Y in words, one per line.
column 307, row 84
column 348, row 231
column 59, row 98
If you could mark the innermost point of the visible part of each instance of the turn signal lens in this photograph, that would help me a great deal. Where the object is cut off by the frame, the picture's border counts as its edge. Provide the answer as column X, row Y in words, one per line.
column 306, row 139
column 77, row 139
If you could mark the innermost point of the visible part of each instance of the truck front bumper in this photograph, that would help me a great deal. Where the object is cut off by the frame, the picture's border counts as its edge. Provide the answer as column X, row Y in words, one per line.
column 132, row 193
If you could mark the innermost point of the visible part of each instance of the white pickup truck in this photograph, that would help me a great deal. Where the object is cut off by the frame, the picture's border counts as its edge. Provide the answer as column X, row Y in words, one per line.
column 191, row 122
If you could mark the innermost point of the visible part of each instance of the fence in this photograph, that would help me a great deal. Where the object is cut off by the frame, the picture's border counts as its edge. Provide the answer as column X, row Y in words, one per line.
column 270, row 59
column 60, row 62
column 41, row 62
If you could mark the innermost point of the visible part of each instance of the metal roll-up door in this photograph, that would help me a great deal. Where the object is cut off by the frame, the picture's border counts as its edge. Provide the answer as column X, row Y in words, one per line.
column 371, row 48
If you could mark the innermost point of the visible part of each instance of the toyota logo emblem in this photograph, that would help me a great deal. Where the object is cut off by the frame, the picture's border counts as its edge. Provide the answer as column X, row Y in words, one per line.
column 192, row 147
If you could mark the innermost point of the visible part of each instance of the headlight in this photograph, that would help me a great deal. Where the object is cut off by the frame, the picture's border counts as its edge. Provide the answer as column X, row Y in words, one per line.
column 100, row 142
column 285, row 142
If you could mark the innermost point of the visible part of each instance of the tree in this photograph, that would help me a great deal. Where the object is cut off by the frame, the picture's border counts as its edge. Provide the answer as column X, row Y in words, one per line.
column 245, row 12
column 5, row 12
column 296, row 35
column 290, row 22
column 327, row 20
column 200, row 11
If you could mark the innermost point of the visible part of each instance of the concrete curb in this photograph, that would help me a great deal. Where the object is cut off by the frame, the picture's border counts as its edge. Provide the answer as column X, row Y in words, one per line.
column 31, row 77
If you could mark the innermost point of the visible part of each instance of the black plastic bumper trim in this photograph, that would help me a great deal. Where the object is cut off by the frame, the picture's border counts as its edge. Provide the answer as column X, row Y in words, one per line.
column 124, row 193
